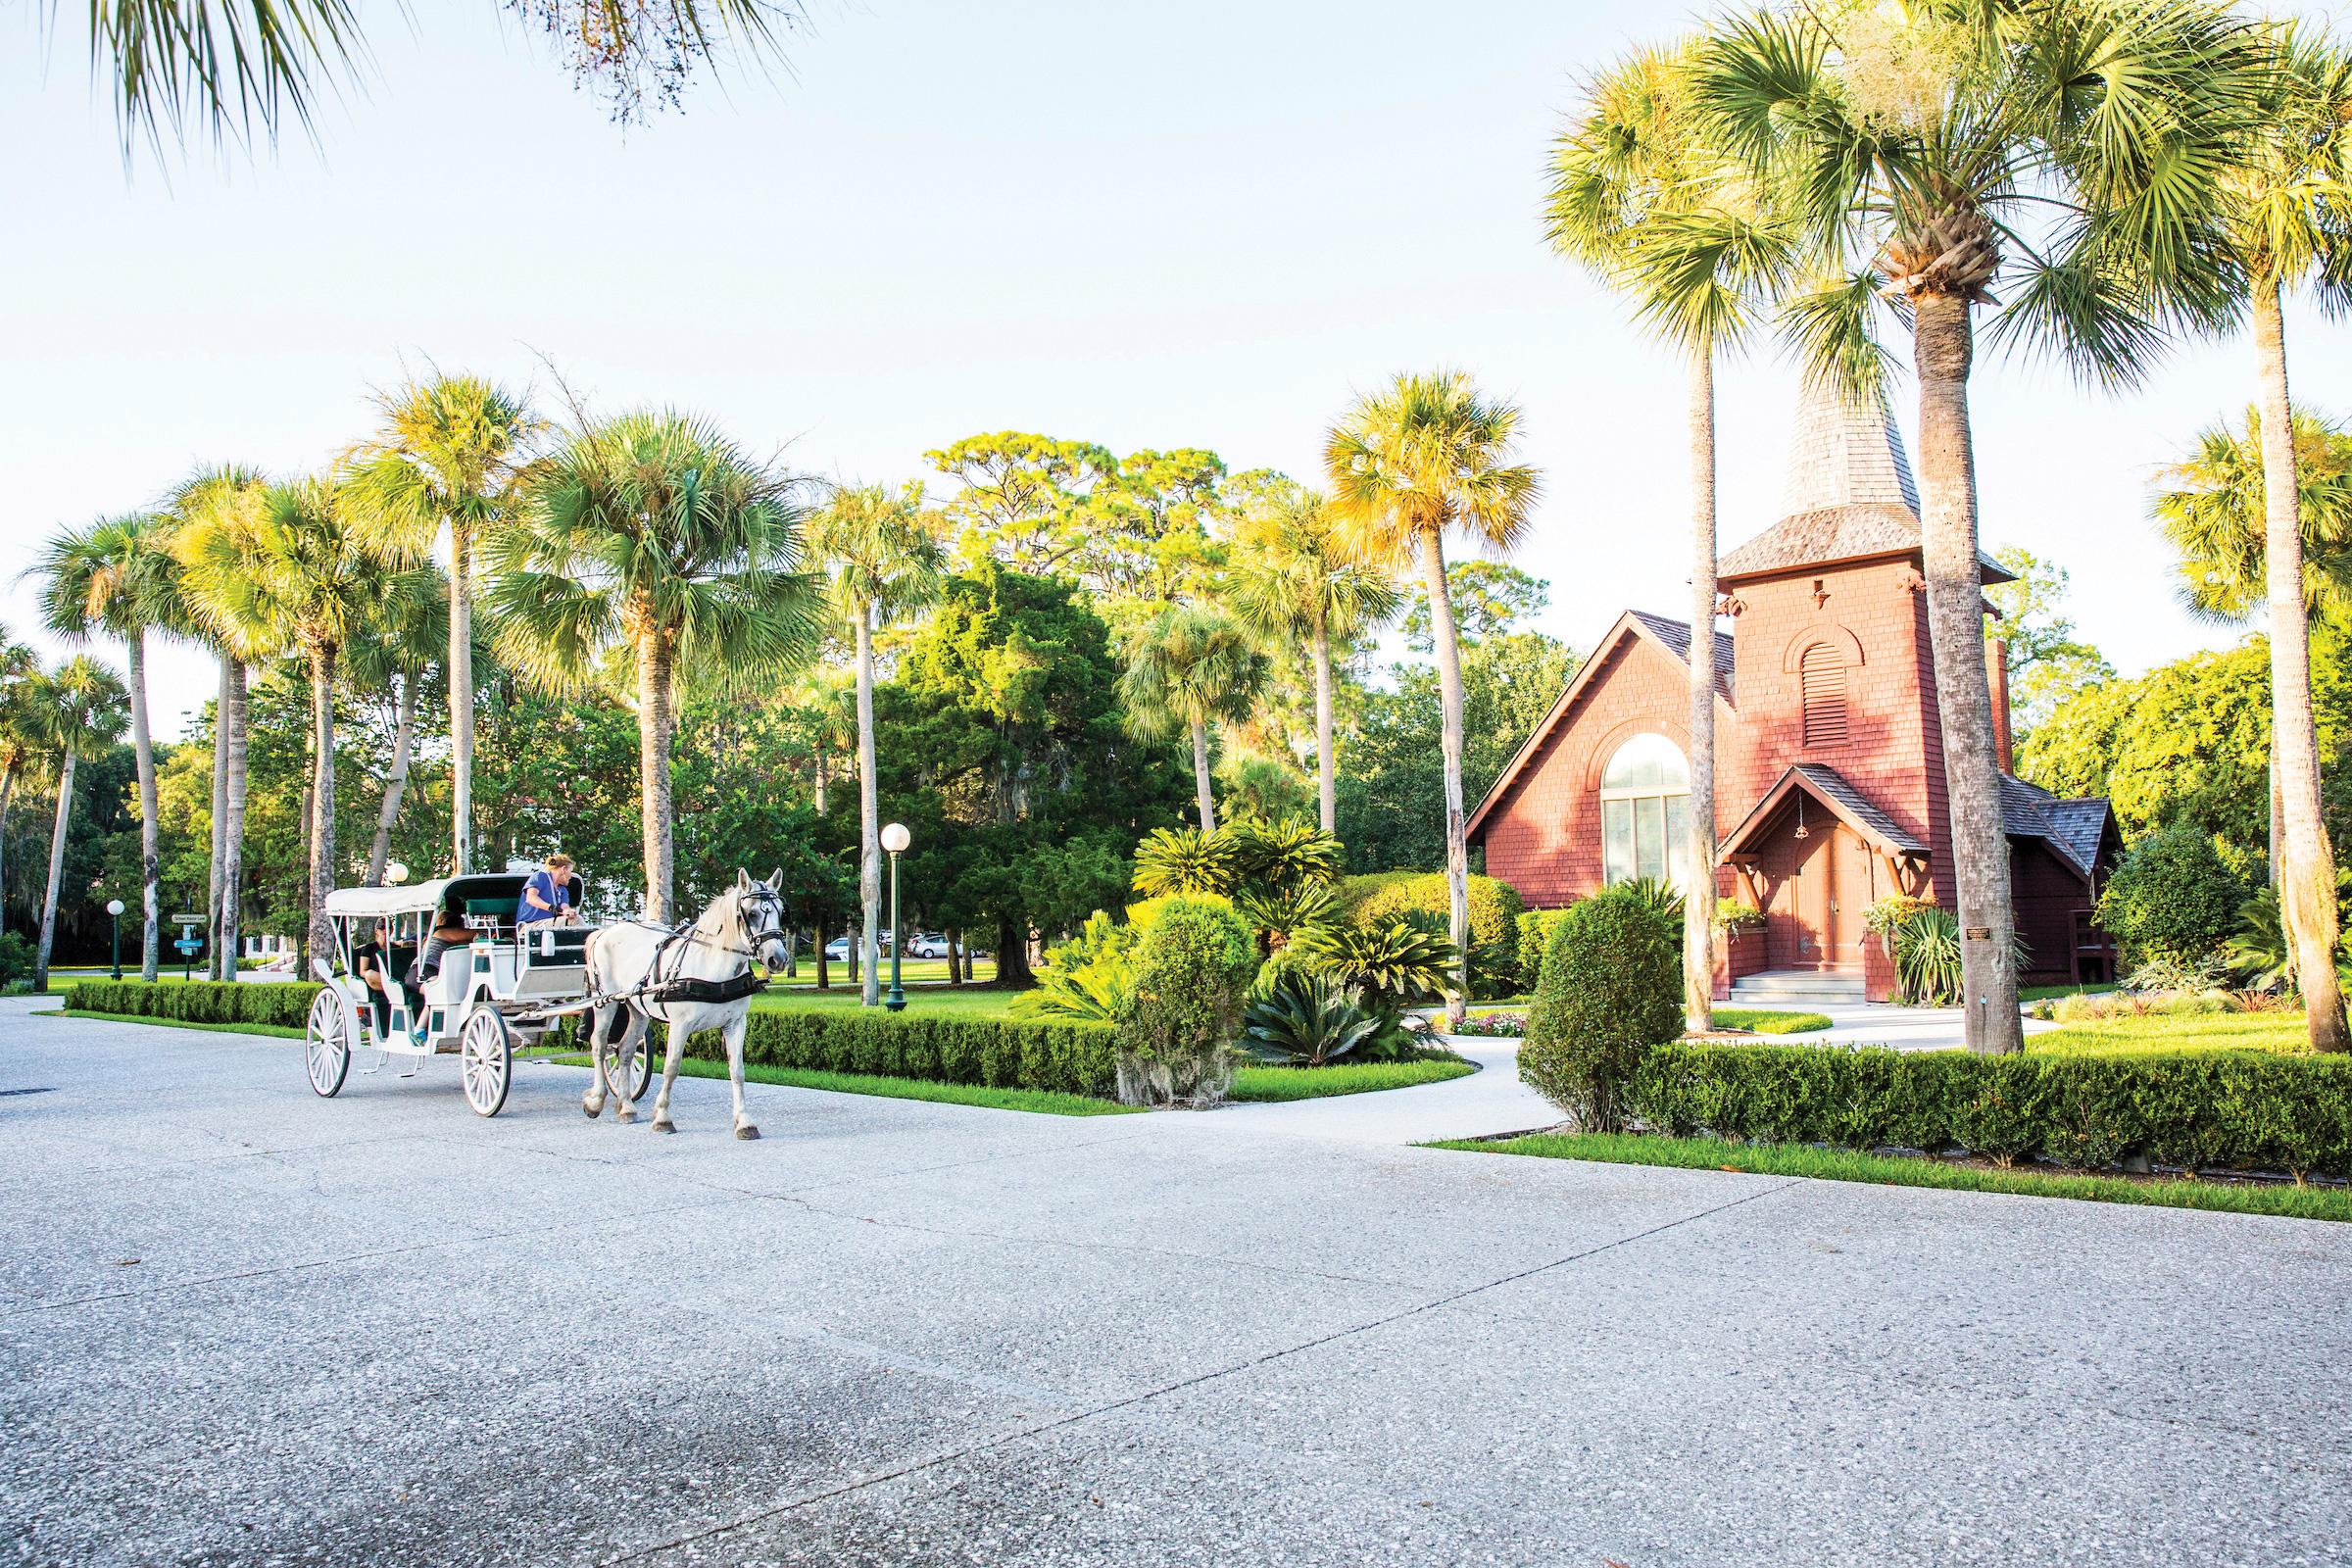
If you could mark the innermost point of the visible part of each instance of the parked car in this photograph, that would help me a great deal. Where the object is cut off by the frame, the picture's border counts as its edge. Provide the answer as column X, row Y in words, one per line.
column 840, row 948
column 929, row 944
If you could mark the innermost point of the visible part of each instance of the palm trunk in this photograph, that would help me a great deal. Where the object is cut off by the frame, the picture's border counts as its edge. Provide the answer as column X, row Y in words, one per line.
column 1698, row 898
column 1327, row 775
column 57, row 870
column 322, row 799
column 1449, row 689
column 2307, row 889
column 212, row 889
column 460, row 697
column 870, row 817
column 403, row 732
column 233, row 836
column 151, row 854
column 1201, row 793
column 8, row 790
column 1942, row 349
column 653, row 771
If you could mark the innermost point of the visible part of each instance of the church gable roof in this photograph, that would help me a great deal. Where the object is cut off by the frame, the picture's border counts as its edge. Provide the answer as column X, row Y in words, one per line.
column 2072, row 828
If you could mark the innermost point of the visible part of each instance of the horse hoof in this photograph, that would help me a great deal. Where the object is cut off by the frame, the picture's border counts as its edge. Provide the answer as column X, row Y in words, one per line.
column 665, row 1126
column 592, row 1112
column 625, row 1117
column 746, row 1134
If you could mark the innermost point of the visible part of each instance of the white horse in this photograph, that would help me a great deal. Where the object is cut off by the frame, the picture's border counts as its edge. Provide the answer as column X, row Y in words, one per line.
column 691, row 979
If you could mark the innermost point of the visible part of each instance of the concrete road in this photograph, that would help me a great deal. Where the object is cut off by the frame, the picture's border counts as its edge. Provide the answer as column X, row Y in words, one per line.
column 244, row 1325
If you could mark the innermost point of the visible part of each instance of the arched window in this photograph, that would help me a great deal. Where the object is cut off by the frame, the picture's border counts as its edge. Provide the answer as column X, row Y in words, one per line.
column 1646, row 813
column 1821, row 677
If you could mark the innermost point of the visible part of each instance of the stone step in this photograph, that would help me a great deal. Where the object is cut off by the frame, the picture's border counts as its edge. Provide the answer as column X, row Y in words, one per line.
column 1797, row 986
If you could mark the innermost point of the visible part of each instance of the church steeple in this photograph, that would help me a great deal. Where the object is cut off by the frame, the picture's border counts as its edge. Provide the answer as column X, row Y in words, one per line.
column 1849, row 494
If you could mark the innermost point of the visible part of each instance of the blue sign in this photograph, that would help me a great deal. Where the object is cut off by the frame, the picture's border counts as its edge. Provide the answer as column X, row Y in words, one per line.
column 188, row 945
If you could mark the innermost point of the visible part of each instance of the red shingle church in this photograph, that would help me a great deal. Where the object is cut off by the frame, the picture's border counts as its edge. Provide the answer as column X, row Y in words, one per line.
column 1828, row 771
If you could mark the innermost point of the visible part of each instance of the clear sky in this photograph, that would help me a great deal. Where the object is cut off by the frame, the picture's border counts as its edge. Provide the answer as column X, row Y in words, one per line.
column 1207, row 227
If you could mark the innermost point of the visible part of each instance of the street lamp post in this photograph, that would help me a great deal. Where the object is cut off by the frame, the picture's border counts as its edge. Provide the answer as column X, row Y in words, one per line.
column 114, row 909
column 893, row 839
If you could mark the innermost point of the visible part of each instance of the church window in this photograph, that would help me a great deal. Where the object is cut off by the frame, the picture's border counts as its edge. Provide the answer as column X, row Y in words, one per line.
column 1646, row 813
column 1821, row 675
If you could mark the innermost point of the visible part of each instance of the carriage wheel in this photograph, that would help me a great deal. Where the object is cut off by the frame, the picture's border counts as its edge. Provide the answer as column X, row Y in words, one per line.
column 486, row 1061
column 637, row 1072
column 327, row 1041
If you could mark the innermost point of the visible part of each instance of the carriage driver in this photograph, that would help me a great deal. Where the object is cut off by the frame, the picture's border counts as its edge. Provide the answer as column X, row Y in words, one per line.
column 547, row 896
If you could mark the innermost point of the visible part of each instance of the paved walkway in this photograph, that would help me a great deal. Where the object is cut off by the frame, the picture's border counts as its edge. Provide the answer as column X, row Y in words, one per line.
column 239, row 1324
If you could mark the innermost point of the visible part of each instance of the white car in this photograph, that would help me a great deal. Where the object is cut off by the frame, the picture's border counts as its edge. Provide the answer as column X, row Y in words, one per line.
column 840, row 948
column 929, row 944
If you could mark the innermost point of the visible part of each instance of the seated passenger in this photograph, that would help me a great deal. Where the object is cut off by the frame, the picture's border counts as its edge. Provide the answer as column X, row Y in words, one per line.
column 369, row 964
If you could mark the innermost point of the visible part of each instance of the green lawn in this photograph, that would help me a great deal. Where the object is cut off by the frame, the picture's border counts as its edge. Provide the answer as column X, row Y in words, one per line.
column 274, row 1031
column 2280, row 1032
column 1844, row 1165
column 1770, row 1020
column 1266, row 1082
column 2051, row 993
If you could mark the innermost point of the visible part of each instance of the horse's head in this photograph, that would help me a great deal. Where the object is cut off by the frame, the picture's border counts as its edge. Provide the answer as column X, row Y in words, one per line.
column 760, row 915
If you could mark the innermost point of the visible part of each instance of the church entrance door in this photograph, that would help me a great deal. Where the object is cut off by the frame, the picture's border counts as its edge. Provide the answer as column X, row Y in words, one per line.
column 1820, row 887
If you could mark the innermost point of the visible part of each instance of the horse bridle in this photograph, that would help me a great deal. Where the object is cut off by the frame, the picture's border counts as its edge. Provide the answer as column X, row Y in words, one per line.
column 756, row 943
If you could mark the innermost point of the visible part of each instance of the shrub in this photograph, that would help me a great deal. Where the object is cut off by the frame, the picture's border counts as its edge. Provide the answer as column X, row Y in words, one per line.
column 1071, row 1058
column 1399, row 965
column 1611, row 990
column 1535, row 929
column 1495, row 910
column 1185, row 860
column 15, row 957
column 2172, row 898
column 1088, row 979
column 2195, row 1109
column 1175, row 1038
column 287, row 1006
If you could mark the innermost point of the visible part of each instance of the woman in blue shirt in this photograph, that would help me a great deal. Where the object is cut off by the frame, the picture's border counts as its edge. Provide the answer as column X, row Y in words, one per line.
column 546, row 894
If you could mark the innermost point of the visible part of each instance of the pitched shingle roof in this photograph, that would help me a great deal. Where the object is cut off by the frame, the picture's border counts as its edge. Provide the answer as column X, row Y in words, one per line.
column 1676, row 635
column 1849, row 494
column 2070, row 827
column 1829, row 782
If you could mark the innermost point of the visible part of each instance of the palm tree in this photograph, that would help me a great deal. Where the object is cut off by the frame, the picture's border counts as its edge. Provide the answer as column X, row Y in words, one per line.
column 656, row 531
column 398, row 643
column 2212, row 510
column 448, row 454
column 1290, row 582
column 1188, row 667
column 1640, row 199
column 77, row 708
column 882, row 562
column 2286, row 206
column 212, row 514
column 1932, row 142
column 302, row 575
column 237, row 66
column 118, row 577
column 1405, row 465
column 20, row 745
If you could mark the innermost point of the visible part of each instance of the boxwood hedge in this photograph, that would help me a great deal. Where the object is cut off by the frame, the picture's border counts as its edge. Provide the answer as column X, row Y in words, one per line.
column 286, row 1004
column 2198, row 1109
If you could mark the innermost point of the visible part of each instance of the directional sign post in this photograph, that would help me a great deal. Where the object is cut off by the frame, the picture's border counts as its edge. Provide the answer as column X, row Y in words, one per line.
column 190, row 942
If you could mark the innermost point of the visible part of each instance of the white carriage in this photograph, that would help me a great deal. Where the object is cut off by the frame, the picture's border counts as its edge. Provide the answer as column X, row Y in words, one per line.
column 494, row 995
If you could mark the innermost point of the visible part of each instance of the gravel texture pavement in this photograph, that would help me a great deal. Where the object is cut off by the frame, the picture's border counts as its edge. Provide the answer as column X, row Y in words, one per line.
column 240, row 1325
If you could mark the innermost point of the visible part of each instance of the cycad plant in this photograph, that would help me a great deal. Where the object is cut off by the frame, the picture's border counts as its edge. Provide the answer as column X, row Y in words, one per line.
column 880, row 561
column 75, row 710
column 1644, row 200
column 1408, row 466
column 655, row 532
column 1309, row 1020
column 1289, row 581
column 118, row 577
column 448, row 456
column 2079, row 151
column 1188, row 667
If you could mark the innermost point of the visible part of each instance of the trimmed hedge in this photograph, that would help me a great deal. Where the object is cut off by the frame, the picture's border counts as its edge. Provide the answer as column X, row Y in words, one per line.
column 286, row 1005
column 2193, row 1109
column 1071, row 1058
column 1610, row 993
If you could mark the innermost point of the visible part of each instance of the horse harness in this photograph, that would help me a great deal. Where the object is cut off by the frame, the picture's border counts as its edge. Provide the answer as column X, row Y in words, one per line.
column 654, row 991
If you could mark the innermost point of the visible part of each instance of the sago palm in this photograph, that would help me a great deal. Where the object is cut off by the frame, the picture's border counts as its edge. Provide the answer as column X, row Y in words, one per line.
column 118, row 577
column 1188, row 667
column 2081, row 147
column 655, row 532
column 75, row 710
column 446, row 457
column 880, row 560
column 1641, row 199
column 212, row 511
column 2285, row 207
column 1406, row 467
column 1289, row 581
